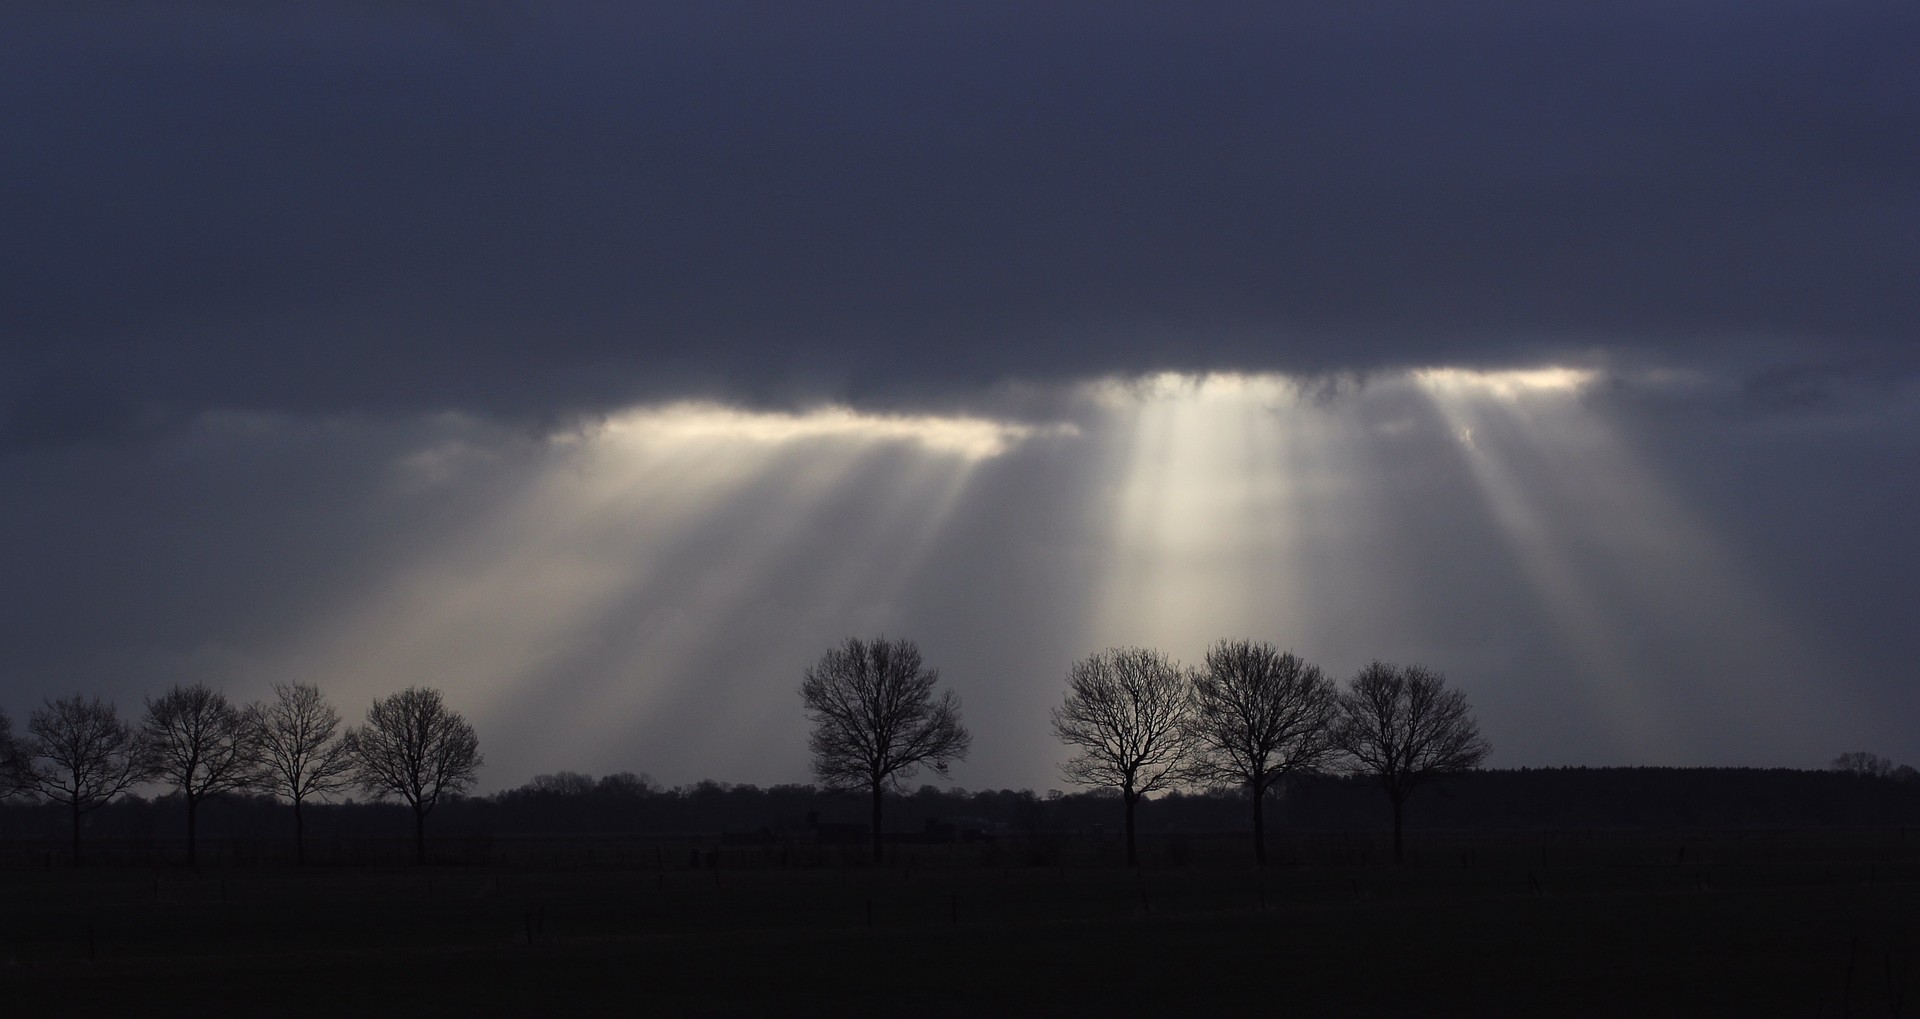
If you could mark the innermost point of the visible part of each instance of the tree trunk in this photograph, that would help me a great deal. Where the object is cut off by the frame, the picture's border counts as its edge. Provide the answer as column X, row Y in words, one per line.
column 419, row 838
column 1397, row 856
column 299, row 836
column 193, row 813
column 1133, row 860
column 76, row 832
column 876, row 824
column 1259, row 826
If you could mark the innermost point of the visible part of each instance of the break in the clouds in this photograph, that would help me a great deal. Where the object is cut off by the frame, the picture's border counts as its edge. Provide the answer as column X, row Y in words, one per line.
column 603, row 363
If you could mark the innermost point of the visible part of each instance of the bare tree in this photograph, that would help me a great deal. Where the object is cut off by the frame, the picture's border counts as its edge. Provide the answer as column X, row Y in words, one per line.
column 78, row 752
column 301, row 753
column 1402, row 726
column 12, row 763
column 626, row 784
column 1258, row 716
column 876, row 719
column 1127, row 716
column 198, row 743
column 562, row 783
column 412, row 746
column 1868, row 765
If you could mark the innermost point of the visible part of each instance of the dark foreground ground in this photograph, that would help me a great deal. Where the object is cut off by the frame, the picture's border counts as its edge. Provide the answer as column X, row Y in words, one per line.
column 1749, row 924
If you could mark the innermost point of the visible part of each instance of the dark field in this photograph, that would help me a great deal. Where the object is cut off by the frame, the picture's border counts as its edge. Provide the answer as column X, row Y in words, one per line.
column 1766, row 923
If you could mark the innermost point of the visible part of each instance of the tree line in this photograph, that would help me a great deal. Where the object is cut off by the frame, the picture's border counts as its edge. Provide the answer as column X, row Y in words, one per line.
column 1134, row 721
column 608, row 819
column 78, row 752
column 1137, row 722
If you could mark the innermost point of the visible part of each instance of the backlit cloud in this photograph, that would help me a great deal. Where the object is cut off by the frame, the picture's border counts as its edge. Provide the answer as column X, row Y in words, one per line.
column 970, row 438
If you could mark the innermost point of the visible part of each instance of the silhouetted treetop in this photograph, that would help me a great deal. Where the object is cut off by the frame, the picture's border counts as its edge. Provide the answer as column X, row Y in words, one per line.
column 1865, row 764
column 80, row 753
column 1259, row 715
column 876, row 719
column 1401, row 726
column 198, row 742
column 300, row 750
column 1127, row 719
column 414, row 747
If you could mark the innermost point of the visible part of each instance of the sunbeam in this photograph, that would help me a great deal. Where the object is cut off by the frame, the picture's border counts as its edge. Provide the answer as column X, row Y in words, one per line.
column 1626, row 573
column 1490, row 416
column 1201, row 506
column 665, row 559
column 651, row 586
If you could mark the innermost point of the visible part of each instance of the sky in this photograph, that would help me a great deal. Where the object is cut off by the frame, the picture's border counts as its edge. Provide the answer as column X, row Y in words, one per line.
column 604, row 364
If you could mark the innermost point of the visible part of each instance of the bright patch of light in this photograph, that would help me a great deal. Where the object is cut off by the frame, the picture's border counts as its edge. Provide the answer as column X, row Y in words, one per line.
column 635, row 573
column 628, row 558
column 1507, row 385
column 1205, row 477
column 970, row 438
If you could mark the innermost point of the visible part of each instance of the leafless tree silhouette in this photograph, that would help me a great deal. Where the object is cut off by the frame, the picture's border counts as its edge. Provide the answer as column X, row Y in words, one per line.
column 301, row 754
column 13, row 779
column 563, row 783
column 1127, row 717
column 198, row 743
column 79, row 752
column 1402, row 726
column 1258, row 716
column 1861, row 762
column 414, row 747
column 876, row 719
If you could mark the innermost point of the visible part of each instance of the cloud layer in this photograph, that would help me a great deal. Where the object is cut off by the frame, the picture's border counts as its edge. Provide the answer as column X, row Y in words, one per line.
column 537, row 209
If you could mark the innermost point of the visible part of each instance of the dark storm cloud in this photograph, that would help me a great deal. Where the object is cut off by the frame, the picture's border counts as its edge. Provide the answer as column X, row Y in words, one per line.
column 533, row 209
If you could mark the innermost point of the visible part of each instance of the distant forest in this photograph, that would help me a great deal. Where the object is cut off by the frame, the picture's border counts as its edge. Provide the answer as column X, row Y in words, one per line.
column 568, row 805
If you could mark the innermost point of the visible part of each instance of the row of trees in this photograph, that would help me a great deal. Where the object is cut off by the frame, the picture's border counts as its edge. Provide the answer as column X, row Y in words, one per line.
column 79, row 752
column 1139, row 722
column 1135, row 721
column 1872, row 765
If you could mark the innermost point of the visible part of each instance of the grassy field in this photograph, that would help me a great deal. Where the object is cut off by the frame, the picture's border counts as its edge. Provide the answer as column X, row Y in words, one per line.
column 1798, row 924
